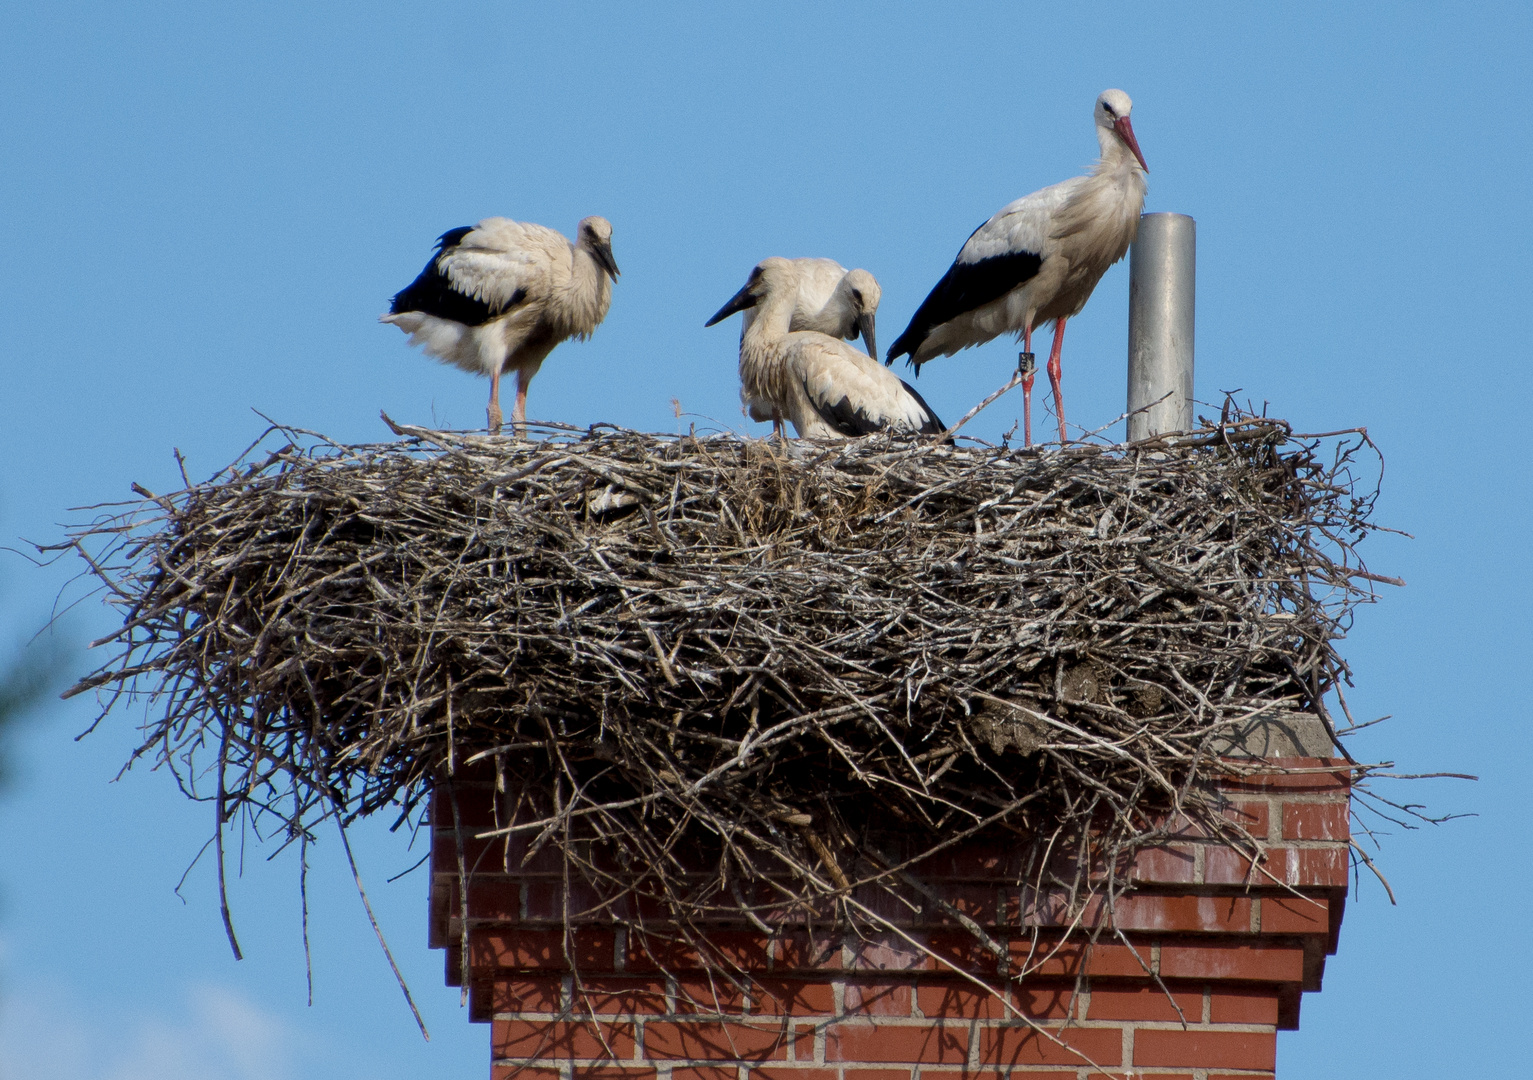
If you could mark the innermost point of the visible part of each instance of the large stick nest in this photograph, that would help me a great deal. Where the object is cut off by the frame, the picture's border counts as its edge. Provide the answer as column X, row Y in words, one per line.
column 740, row 679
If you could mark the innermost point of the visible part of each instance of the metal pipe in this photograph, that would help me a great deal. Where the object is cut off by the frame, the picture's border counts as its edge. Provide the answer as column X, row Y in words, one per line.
column 1162, row 283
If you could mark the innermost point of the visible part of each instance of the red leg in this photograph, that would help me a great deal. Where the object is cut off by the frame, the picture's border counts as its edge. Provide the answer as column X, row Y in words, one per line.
column 1059, row 400
column 494, row 410
column 1027, row 390
column 519, row 410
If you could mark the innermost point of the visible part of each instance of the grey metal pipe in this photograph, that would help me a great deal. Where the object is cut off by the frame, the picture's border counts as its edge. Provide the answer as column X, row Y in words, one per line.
column 1162, row 284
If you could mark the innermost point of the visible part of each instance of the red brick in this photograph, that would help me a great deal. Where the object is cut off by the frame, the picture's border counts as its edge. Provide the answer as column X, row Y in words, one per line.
column 1146, row 1003
column 1017, row 1045
column 494, row 855
column 1316, row 775
column 579, row 1072
column 1295, row 915
column 500, row 900
column 977, row 902
column 591, row 949
column 811, row 1072
column 1206, row 1049
column 1309, row 866
column 1316, row 821
column 738, row 950
column 476, row 806
column 1243, row 1007
column 959, row 1002
column 545, row 902
column 1186, row 914
column 889, row 952
column 705, row 1072
column 798, row 951
column 1241, row 1076
column 1225, row 866
column 929, row 1073
column 560, row 1039
column 925, row 1044
column 961, row 951
column 1252, row 815
column 1100, row 961
column 617, row 994
column 705, row 995
column 799, row 997
column 710, row 1040
column 525, row 995
column 1173, row 864
column 867, row 999
column 1255, row 962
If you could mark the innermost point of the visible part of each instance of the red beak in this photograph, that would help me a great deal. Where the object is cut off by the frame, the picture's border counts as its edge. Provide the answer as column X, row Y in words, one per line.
column 1125, row 132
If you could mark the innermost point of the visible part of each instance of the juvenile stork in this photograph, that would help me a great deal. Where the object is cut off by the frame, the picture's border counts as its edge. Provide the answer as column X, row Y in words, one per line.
column 1038, row 259
column 831, row 300
column 826, row 388
column 501, row 294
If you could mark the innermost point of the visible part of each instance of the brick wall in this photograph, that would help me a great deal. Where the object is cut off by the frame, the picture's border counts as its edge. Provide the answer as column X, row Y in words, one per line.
column 1210, row 959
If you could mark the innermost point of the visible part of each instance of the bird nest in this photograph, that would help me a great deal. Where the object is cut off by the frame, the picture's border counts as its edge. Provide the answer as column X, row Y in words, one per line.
column 742, row 680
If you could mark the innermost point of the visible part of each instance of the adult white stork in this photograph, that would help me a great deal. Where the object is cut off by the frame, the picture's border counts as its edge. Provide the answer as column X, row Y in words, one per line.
column 501, row 294
column 826, row 388
column 831, row 300
column 1038, row 259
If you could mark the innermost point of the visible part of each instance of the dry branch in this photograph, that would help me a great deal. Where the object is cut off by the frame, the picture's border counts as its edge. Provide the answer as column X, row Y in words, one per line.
column 742, row 681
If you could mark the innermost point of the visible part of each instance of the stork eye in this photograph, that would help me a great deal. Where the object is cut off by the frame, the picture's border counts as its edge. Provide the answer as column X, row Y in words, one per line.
column 857, row 295
column 1109, row 109
column 756, row 273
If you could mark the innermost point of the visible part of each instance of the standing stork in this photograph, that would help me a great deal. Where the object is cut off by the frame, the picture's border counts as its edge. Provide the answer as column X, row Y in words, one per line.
column 831, row 300
column 502, row 294
column 1038, row 259
column 826, row 388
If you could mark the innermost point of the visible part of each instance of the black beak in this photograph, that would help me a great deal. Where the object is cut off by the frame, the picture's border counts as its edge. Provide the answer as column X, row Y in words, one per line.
column 738, row 302
column 603, row 253
column 865, row 327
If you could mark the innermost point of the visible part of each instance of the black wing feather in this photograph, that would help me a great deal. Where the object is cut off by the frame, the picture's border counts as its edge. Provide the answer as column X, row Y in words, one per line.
column 852, row 421
column 433, row 294
column 965, row 286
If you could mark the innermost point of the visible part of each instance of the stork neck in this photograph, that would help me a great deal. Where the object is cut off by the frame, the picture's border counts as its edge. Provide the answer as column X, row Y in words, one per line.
column 774, row 316
column 1116, row 156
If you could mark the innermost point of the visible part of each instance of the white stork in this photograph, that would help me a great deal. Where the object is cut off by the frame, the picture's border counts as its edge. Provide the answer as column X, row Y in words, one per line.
column 1038, row 259
column 502, row 294
column 826, row 388
column 831, row 300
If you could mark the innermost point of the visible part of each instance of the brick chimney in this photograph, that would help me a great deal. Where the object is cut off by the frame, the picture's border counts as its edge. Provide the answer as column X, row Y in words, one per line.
column 1208, row 959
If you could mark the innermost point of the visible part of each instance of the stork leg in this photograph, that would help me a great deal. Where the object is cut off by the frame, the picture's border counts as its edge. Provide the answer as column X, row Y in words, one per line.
column 1059, row 401
column 519, row 410
column 493, row 413
column 1027, row 388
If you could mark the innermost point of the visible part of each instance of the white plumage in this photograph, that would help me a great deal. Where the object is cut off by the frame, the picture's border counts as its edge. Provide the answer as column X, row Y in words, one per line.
column 1039, row 258
column 831, row 300
column 823, row 386
column 501, row 294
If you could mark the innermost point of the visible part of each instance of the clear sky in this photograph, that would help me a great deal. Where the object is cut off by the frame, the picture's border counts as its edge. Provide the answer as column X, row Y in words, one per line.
column 203, row 209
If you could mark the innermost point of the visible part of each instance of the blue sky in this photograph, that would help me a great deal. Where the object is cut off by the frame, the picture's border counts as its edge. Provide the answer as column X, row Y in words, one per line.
column 203, row 209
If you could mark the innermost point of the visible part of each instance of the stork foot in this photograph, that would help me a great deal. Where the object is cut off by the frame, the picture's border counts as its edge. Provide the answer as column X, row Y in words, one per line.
column 494, row 417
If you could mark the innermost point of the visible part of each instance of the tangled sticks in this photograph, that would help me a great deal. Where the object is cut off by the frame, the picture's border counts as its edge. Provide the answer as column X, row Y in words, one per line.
column 742, row 681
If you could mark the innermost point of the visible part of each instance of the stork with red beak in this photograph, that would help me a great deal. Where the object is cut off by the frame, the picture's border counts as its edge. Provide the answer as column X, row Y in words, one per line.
column 1038, row 259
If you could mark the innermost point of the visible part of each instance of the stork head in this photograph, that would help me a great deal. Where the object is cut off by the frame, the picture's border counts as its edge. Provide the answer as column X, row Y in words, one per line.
column 767, row 276
column 863, row 294
column 1112, row 109
column 596, row 237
